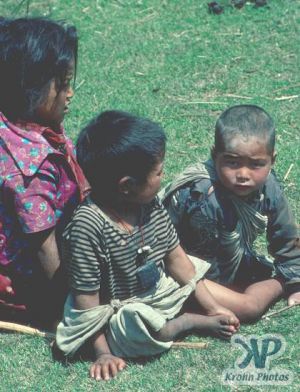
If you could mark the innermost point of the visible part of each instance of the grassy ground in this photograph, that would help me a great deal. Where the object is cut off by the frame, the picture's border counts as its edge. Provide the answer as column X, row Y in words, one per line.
column 181, row 66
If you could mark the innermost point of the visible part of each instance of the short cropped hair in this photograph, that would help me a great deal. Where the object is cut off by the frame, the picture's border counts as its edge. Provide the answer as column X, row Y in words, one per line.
column 33, row 52
column 245, row 121
column 117, row 144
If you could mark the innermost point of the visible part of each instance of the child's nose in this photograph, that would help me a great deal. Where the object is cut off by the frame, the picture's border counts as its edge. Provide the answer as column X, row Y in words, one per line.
column 70, row 92
column 242, row 174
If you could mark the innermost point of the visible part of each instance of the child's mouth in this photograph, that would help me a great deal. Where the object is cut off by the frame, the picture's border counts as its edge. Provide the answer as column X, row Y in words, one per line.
column 243, row 187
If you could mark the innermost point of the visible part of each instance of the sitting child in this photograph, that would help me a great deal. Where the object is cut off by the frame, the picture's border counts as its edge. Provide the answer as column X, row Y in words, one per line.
column 220, row 206
column 129, row 277
column 40, row 181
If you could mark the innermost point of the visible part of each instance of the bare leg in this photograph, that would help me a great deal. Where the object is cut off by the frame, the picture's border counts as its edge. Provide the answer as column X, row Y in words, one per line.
column 221, row 326
column 252, row 303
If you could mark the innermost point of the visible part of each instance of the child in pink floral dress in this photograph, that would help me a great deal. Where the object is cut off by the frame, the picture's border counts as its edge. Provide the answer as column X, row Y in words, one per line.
column 40, row 180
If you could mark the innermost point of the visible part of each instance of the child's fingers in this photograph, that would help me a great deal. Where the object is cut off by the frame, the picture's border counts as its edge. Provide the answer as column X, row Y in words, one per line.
column 121, row 364
column 95, row 371
column 10, row 290
column 5, row 285
column 105, row 371
column 4, row 305
column 113, row 368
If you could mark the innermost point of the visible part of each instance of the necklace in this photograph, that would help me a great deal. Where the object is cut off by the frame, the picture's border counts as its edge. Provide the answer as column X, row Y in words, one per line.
column 143, row 250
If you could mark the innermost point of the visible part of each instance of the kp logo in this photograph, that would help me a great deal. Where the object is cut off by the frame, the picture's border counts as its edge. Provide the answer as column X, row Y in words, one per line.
column 253, row 366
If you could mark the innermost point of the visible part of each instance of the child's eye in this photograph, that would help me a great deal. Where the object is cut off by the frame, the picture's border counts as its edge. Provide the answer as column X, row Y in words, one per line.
column 66, row 83
column 258, row 164
column 232, row 163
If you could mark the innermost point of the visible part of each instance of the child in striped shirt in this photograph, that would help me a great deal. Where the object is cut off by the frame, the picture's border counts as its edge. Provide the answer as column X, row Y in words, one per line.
column 129, row 276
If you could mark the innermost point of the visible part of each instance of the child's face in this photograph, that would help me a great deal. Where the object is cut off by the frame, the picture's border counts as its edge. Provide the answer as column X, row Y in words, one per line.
column 52, row 111
column 145, row 193
column 244, row 165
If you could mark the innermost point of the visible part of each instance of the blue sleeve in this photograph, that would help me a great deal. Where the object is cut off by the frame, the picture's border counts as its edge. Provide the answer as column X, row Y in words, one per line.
column 283, row 240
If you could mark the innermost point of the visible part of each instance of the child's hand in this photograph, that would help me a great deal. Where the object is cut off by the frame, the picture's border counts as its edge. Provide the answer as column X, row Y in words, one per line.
column 294, row 298
column 106, row 366
column 5, row 285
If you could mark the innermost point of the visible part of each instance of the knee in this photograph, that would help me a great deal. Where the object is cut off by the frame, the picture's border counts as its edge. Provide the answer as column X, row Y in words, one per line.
column 252, row 310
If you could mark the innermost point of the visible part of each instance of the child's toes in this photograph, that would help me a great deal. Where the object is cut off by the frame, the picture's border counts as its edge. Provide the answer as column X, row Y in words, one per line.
column 228, row 324
column 228, row 330
column 226, row 320
column 232, row 328
column 225, row 334
column 233, row 320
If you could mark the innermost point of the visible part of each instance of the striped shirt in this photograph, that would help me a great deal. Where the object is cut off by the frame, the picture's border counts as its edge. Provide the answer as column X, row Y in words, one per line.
column 102, row 256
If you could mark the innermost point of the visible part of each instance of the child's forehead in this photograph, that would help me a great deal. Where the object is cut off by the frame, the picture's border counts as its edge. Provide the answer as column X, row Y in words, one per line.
column 252, row 144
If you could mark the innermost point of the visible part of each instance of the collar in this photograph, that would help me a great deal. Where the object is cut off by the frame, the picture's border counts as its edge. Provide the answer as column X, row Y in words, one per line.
column 25, row 140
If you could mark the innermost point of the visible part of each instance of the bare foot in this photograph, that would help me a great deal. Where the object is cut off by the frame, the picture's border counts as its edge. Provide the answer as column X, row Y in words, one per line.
column 222, row 326
column 222, row 311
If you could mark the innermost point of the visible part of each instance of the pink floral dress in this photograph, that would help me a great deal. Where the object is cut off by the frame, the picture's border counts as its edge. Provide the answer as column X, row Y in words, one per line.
column 38, row 190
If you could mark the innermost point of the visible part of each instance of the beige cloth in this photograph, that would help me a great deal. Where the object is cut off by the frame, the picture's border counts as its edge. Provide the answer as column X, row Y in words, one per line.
column 129, row 322
column 250, row 222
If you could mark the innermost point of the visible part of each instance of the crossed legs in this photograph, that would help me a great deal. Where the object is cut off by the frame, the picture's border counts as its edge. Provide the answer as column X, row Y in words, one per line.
column 251, row 304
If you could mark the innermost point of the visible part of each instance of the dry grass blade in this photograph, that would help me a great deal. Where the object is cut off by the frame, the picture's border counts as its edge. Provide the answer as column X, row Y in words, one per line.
column 13, row 327
column 266, row 316
column 288, row 172
column 194, row 345
column 286, row 97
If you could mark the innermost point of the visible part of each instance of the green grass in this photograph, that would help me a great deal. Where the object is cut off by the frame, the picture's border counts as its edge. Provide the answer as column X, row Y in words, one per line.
column 174, row 62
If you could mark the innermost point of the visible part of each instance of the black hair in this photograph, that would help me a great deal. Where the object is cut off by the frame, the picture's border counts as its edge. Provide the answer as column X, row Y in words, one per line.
column 117, row 144
column 33, row 52
column 245, row 121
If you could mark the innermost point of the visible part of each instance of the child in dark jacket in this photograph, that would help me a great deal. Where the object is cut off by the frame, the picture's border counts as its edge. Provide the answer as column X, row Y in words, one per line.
column 219, row 207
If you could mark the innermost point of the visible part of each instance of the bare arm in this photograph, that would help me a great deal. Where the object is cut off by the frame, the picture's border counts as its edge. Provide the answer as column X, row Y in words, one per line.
column 179, row 265
column 49, row 283
column 47, row 252
column 182, row 270
column 106, row 365
column 44, row 245
column 86, row 300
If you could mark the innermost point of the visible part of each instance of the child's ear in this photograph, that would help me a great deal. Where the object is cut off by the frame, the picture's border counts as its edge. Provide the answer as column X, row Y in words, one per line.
column 274, row 155
column 126, row 185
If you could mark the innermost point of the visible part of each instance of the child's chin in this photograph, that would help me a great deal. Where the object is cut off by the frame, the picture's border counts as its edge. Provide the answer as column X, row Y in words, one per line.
column 243, row 192
column 146, row 201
